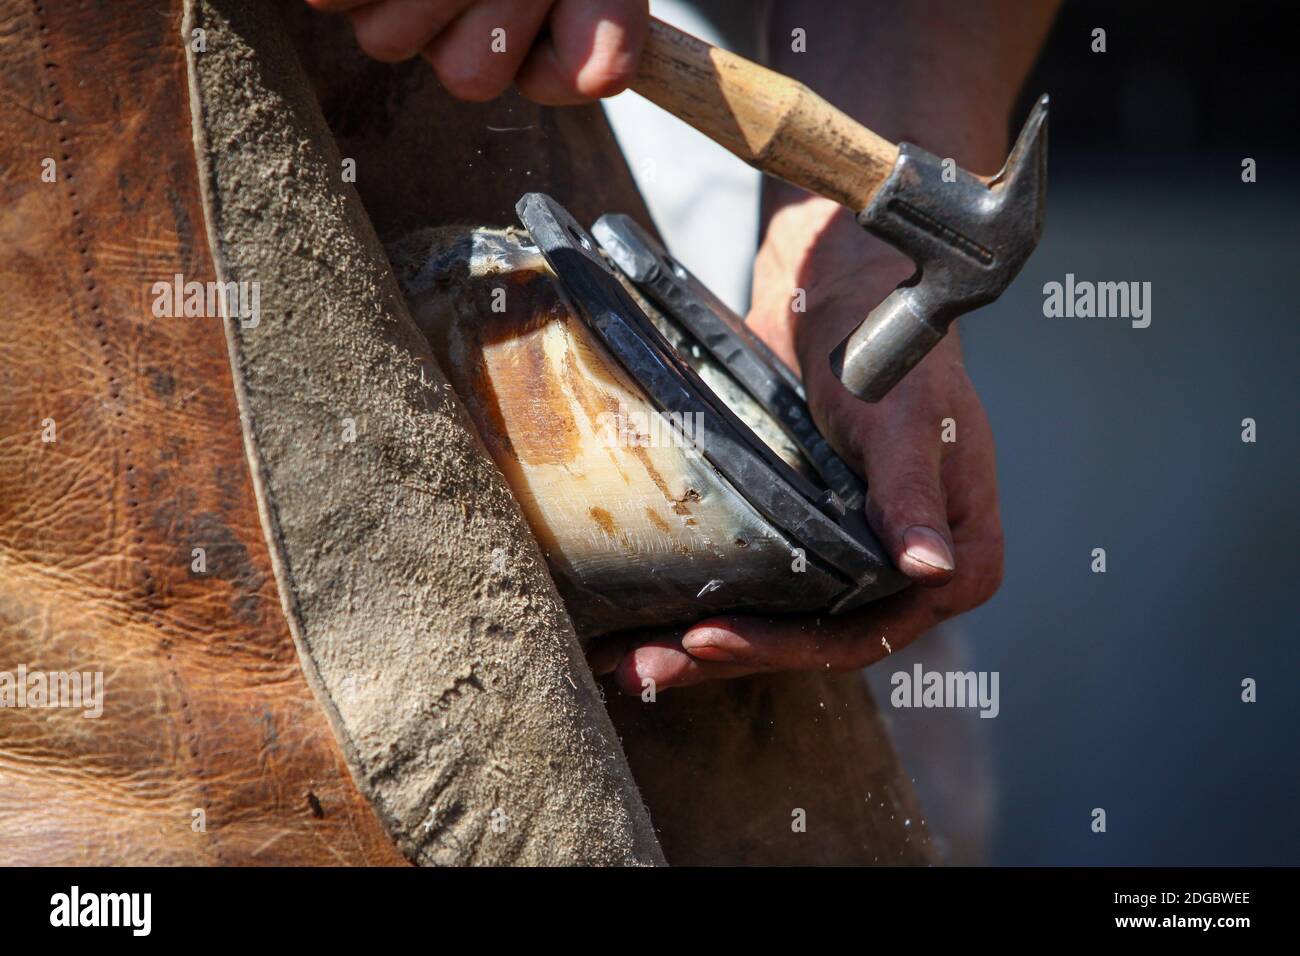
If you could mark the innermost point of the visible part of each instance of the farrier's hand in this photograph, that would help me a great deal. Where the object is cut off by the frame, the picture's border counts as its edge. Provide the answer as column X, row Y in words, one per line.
column 557, row 52
column 933, row 504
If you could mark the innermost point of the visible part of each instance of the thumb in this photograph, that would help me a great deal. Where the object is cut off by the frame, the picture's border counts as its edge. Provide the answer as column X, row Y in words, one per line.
column 907, row 507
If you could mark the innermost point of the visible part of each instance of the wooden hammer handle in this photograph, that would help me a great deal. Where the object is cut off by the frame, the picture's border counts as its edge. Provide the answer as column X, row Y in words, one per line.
column 772, row 122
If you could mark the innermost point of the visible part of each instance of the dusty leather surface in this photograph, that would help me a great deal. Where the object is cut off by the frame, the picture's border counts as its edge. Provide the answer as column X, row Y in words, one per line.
column 424, row 615
column 205, row 705
column 808, row 775
column 721, row 766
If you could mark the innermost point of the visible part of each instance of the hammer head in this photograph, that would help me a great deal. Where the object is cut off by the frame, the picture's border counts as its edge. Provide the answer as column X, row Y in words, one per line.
column 968, row 237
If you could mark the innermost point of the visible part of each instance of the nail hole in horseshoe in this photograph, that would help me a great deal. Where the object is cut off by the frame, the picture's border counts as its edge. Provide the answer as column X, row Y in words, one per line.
column 580, row 239
column 674, row 266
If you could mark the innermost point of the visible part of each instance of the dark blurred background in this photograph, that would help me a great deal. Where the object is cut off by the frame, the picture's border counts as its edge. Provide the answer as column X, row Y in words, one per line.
column 1181, row 78
column 1123, row 690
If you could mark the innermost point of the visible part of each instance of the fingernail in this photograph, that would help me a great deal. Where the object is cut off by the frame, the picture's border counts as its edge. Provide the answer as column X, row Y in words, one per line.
column 927, row 546
column 654, row 666
column 704, row 646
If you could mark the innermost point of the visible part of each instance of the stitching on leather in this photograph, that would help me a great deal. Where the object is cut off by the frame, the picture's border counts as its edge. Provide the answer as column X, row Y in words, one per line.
column 89, row 290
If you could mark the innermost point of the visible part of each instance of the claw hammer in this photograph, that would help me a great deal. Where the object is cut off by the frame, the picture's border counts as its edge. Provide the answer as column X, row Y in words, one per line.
column 967, row 235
